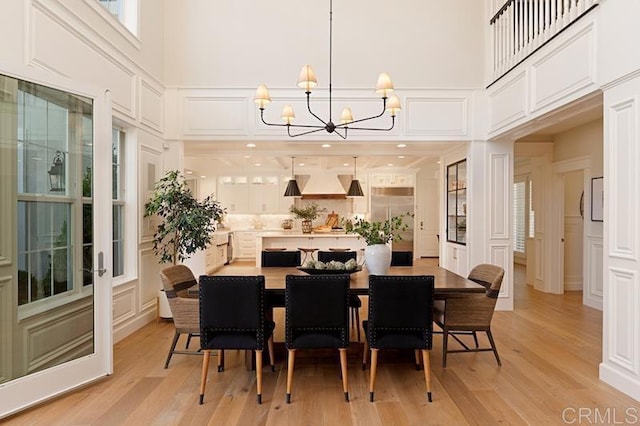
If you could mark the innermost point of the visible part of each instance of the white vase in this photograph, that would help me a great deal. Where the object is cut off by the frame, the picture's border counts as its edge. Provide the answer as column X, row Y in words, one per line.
column 378, row 258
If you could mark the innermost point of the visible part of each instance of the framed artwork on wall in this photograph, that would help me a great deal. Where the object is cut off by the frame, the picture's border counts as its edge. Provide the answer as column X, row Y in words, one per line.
column 597, row 199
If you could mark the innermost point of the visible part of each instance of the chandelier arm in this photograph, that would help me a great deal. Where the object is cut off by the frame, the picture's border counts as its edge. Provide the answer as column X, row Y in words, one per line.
column 386, row 129
column 312, row 113
column 307, row 126
column 384, row 108
column 317, row 129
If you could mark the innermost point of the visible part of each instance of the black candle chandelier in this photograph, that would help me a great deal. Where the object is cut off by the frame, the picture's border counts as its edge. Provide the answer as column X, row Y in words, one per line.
column 308, row 81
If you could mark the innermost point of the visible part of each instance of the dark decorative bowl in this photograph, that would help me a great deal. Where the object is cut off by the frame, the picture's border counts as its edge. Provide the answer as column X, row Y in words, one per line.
column 313, row 271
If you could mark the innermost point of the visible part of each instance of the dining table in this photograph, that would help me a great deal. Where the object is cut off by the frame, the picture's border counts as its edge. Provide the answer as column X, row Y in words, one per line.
column 446, row 283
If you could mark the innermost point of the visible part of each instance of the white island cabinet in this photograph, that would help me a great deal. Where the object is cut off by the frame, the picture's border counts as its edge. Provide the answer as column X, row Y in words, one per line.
column 292, row 241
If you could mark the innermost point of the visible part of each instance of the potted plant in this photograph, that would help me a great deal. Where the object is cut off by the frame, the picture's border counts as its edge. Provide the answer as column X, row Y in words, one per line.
column 378, row 235
column 307, row 214
column 186, row 224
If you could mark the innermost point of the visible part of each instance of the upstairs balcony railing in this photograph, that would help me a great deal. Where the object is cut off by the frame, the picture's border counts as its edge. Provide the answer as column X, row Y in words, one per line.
column 520, row 27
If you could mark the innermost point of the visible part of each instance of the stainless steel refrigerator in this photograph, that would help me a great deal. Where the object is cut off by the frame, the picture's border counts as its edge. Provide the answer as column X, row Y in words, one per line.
column 389, row 202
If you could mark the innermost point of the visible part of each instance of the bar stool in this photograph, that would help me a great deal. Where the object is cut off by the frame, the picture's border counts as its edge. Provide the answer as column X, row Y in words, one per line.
column 307, row 252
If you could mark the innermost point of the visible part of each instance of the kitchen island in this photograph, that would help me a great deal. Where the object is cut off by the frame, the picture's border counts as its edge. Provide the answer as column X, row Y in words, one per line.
column 294, row 240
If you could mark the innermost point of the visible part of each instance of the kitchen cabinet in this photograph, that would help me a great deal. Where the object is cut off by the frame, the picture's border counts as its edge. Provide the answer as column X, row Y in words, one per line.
column 216, row 253
column 264, row 194
column 457, row 202
column 244, row 246
column 252, row 194
column 382, row 180
column 233, row 193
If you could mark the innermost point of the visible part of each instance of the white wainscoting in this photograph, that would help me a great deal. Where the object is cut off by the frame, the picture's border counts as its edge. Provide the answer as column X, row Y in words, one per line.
column 508, row 102
column 593, row 282
column 59, row 335
column 151, row 105
column 437, row 116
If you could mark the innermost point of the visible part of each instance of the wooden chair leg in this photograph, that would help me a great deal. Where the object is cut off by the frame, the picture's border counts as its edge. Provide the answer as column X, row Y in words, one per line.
column 372, row 375
column 426, row 360
column 417, row 357
column 493, row 346
column 445, row 339
column 271, row 355
column 365, row 352
column 290, row 363
column 173, row 348
column 343, row 369
column 259, row 376
column 220, row 360
column 203, row 375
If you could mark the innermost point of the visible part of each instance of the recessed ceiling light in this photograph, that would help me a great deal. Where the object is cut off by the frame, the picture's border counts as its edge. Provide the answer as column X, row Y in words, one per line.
column 402, row 145
column 301, row 164
column 326, row 145
column 438, row 161
column 257, row 164
column 203, row 176
column 189, row 172
column 247, row 156
column 251, row 145
column 400, row 156
column 345, row 164
column 390, row 164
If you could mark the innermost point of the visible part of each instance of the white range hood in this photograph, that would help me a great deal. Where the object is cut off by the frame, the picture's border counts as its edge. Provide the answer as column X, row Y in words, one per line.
column 323, row 185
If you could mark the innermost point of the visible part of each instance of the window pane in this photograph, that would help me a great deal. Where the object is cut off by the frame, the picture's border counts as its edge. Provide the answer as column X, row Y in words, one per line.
column 118, row 241
column 518, row 216
column 87, row 244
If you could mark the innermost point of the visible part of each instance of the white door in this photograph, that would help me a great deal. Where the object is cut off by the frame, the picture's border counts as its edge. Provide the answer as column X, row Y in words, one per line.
column 55, row 237
column 427, row 218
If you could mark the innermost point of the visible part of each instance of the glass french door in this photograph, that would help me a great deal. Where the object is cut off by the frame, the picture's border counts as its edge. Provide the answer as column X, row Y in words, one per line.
column 55, row 326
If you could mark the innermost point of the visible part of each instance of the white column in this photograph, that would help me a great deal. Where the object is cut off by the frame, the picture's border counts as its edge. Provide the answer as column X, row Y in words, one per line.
column 489, row 224
column 620, row 365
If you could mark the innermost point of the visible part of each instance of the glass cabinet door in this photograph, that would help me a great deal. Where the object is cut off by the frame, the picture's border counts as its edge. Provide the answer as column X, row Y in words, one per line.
column 457, row 202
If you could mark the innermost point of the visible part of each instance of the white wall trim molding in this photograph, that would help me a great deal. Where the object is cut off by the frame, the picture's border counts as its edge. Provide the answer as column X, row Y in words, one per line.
column 623, row 321
column 112, row 22
column 576, row 56
column 593, row 280
column 230, row 113
column 629, row 77
column 151, row 105
column 6, row 331
column 573, row 164
column 508, row 102
column 499, row 194
column 444, row 116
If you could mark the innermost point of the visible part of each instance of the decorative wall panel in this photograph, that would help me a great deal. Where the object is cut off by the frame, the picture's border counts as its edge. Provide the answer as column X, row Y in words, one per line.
column 49, row 32
column 576, row 58
column 149, row 279
column 500, row 192
column 499, row 255
column 593, row 281
column 437, row 116
column 59, row 336
column 215, row 115
column 148, row 174
column 508, row 102
column 623, row 325
column 151, row 105
column 124, row 304
column 624, row 176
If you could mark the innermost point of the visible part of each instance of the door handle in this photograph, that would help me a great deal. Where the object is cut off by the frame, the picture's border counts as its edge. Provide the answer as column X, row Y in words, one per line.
column 101, row 269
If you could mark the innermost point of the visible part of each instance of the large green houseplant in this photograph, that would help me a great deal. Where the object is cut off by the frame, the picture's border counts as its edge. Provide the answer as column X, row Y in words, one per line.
column 186, row 224
column 377, row 235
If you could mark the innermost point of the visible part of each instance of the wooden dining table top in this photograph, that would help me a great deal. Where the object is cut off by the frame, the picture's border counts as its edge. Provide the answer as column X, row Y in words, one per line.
column 445, row 281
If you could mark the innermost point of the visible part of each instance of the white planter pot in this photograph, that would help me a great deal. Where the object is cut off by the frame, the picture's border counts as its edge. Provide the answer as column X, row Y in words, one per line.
column 164, row 310
column 378, row 258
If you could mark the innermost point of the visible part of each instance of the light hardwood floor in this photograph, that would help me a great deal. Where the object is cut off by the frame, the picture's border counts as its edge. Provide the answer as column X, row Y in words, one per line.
column 550, row 347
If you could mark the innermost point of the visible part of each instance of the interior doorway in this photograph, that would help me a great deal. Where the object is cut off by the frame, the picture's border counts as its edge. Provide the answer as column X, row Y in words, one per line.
column 573, row 230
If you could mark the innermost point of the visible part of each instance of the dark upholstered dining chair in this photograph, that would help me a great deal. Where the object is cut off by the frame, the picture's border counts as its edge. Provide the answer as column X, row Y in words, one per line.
column 316, row 310
column 354, row 301
column 185, row 311
column 400, row 309
column 232, row 317
column 470, row 313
